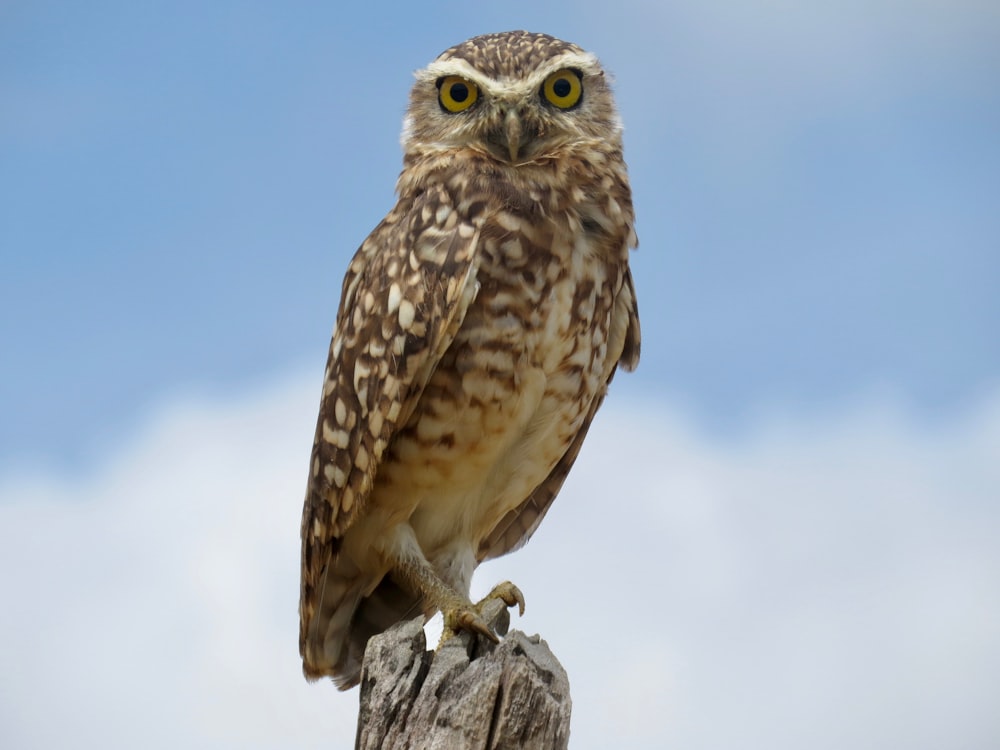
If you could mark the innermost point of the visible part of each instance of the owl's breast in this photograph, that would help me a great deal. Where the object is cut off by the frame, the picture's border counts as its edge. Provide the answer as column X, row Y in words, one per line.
column 510, row 394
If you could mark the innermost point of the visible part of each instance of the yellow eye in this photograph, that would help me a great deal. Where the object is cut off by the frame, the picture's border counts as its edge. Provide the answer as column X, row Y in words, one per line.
column 563, row 89
column 456, row 94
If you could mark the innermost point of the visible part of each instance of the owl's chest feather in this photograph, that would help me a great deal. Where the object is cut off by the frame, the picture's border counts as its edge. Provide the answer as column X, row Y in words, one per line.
column 511, row 392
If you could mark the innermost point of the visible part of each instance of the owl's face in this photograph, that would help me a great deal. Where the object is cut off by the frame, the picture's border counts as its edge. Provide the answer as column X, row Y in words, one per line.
column 518, row 98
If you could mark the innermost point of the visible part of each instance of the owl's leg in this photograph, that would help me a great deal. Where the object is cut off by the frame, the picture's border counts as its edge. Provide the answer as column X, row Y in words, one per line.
column 458, row 610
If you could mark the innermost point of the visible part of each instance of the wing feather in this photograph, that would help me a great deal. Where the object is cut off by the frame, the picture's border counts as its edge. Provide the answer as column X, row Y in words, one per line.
column 404, row 297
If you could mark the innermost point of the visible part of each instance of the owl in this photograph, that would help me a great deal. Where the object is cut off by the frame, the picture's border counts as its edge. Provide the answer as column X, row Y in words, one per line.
column 479, row 326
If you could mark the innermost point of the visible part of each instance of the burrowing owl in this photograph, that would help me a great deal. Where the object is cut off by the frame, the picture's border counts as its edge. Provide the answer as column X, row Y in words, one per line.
column 479, row 326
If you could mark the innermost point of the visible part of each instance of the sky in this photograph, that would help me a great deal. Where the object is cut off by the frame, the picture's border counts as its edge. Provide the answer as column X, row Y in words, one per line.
column 803, row 472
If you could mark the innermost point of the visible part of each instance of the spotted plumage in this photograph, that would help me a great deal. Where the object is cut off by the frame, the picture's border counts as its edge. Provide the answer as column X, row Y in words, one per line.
column 479, row 326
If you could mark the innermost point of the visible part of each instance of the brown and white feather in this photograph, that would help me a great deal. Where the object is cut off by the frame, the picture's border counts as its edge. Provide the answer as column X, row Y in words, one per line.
column 479, row 327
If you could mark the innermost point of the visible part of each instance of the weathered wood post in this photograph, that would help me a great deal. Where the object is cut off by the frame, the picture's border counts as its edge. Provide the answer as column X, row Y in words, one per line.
column 470, row 694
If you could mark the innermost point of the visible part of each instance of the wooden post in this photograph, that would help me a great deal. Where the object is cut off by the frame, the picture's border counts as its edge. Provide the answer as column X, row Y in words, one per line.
column 470, row 694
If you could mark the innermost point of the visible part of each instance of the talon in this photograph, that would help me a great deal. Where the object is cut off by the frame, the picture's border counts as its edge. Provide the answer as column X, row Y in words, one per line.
column 469, row 618
column 508, row 593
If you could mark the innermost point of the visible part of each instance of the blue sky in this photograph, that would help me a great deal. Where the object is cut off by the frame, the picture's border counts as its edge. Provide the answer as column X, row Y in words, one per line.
column 817, row 188
column 182, row 186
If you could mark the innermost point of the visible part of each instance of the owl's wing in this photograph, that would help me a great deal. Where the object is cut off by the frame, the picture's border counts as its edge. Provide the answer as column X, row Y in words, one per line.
column 404, row 297
column 516, row 528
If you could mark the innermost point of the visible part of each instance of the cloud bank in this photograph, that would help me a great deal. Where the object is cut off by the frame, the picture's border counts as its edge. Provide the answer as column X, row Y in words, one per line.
column 823, row 581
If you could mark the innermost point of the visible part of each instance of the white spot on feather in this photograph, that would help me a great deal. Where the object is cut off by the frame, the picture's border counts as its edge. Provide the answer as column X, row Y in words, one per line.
column 407, row 312
column 339, row 438
column 395, row 297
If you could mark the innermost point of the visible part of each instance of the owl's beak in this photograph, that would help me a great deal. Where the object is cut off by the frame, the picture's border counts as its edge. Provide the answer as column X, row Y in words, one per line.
column 513, row 130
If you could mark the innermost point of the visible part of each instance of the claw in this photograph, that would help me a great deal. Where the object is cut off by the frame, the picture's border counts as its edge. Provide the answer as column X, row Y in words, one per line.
column 469, row 618
column 508, row 593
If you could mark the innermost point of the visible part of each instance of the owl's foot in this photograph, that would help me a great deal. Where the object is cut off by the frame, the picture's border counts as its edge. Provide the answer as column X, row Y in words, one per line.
column 459, row 613
column 470, row 616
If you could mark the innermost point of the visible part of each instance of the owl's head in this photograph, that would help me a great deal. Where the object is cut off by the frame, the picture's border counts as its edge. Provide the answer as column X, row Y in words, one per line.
column 517, row 97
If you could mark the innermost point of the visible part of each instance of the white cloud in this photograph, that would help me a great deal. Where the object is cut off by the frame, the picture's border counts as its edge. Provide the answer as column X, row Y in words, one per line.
column 824, row 581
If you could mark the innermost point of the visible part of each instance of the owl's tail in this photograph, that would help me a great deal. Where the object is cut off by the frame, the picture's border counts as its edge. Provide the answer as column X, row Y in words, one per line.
column 333, row 642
